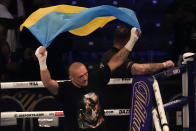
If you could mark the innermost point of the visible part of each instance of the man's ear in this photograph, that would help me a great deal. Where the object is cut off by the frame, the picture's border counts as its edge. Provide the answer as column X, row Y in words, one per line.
column 70, row 77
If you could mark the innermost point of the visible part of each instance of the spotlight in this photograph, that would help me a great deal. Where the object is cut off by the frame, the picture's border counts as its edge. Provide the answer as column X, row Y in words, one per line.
column 74, row 2
column 90, row 43
column 115, row 2
column 154, row 2
column 170, row 42
column 157, row 24
column 90, row 66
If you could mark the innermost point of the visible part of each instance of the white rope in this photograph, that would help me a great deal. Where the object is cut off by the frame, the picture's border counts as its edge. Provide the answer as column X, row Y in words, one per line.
column 26, row 84
column 160, row 106
column 117, row 81
column 34, row 114
column 108, row 112
column 156, row 120
column 43, row 114
column 117, row 112
column 39, row 84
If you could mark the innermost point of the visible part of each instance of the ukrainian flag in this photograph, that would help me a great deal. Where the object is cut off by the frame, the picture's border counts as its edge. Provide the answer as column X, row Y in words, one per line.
column 47, row 23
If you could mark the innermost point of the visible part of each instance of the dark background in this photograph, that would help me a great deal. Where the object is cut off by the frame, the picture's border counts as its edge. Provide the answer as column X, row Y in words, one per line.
column 168, row 30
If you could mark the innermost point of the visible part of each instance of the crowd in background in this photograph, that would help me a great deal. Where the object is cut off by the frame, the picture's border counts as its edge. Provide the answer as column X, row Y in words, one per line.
column 17, row 59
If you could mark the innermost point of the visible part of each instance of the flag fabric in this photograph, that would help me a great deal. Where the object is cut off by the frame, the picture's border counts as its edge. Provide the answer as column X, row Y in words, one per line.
column 141, row 104
column 47, row 23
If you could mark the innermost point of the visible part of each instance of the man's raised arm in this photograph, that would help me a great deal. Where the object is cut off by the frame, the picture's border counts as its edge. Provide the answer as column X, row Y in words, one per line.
column 119, row 58
column 49, row 83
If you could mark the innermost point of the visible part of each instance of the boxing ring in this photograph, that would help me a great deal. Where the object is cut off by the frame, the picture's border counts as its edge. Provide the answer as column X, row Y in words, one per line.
column 158, row 115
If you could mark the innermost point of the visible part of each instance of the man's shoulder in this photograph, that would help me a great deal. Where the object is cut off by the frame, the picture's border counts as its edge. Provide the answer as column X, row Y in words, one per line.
column 64, row 83
column 102, row 71
column 108, row 54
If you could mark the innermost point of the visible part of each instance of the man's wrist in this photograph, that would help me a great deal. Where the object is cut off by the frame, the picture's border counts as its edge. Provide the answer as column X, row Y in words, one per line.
column 131, row 43
column 164, row 65
column 42, row 66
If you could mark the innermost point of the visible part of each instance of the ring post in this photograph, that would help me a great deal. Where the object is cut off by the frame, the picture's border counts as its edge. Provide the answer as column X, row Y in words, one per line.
column 188, row 89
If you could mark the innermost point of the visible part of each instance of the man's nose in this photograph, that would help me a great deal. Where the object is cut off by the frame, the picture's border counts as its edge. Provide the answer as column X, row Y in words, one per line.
column 85, row 77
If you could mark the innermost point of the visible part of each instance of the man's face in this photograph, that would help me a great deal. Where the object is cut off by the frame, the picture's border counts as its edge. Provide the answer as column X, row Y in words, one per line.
column 80, row 77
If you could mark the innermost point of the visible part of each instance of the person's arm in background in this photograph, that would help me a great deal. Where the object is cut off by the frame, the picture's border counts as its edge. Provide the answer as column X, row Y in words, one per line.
column 9, row 23
column 150, row 68
column 3, row 33
column 48, row 82
column 119, row 58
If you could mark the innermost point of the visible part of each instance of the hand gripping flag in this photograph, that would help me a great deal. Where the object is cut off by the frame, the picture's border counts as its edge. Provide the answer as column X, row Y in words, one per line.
column 47, row 23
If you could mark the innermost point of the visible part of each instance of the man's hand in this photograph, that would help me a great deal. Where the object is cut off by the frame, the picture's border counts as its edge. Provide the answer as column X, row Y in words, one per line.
column 133, row 38
column 136, row 31
column 41, row 55
column 168, row 64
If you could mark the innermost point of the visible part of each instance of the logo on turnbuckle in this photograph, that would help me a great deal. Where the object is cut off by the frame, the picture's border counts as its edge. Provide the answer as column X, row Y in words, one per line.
column 141, row 99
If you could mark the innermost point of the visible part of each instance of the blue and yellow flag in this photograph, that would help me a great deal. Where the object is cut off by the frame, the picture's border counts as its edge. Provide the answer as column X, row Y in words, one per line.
column 47, row 23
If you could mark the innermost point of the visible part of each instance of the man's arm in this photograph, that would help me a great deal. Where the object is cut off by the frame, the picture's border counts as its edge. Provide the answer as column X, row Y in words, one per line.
column 119, row 58
column 48, row 82
column 150, row 68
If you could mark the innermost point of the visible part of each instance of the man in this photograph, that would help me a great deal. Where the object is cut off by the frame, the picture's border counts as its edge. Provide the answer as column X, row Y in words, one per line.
column 126, row 70
column 80, row 97
column 129, row 68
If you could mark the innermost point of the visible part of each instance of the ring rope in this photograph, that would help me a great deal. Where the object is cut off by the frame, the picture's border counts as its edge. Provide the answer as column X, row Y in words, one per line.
column 170, row 72
column 156, row 120
column 107, row 112
column 113, row 81
column 39, row 84
column 160, row 106
column 36, row 114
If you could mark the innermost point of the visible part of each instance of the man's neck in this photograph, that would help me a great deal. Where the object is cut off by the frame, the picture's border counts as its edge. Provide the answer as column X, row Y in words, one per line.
column 76, row 85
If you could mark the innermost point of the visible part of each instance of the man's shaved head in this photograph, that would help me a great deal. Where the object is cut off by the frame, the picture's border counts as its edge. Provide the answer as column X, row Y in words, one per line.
column 78, row 74
column 74, row 66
